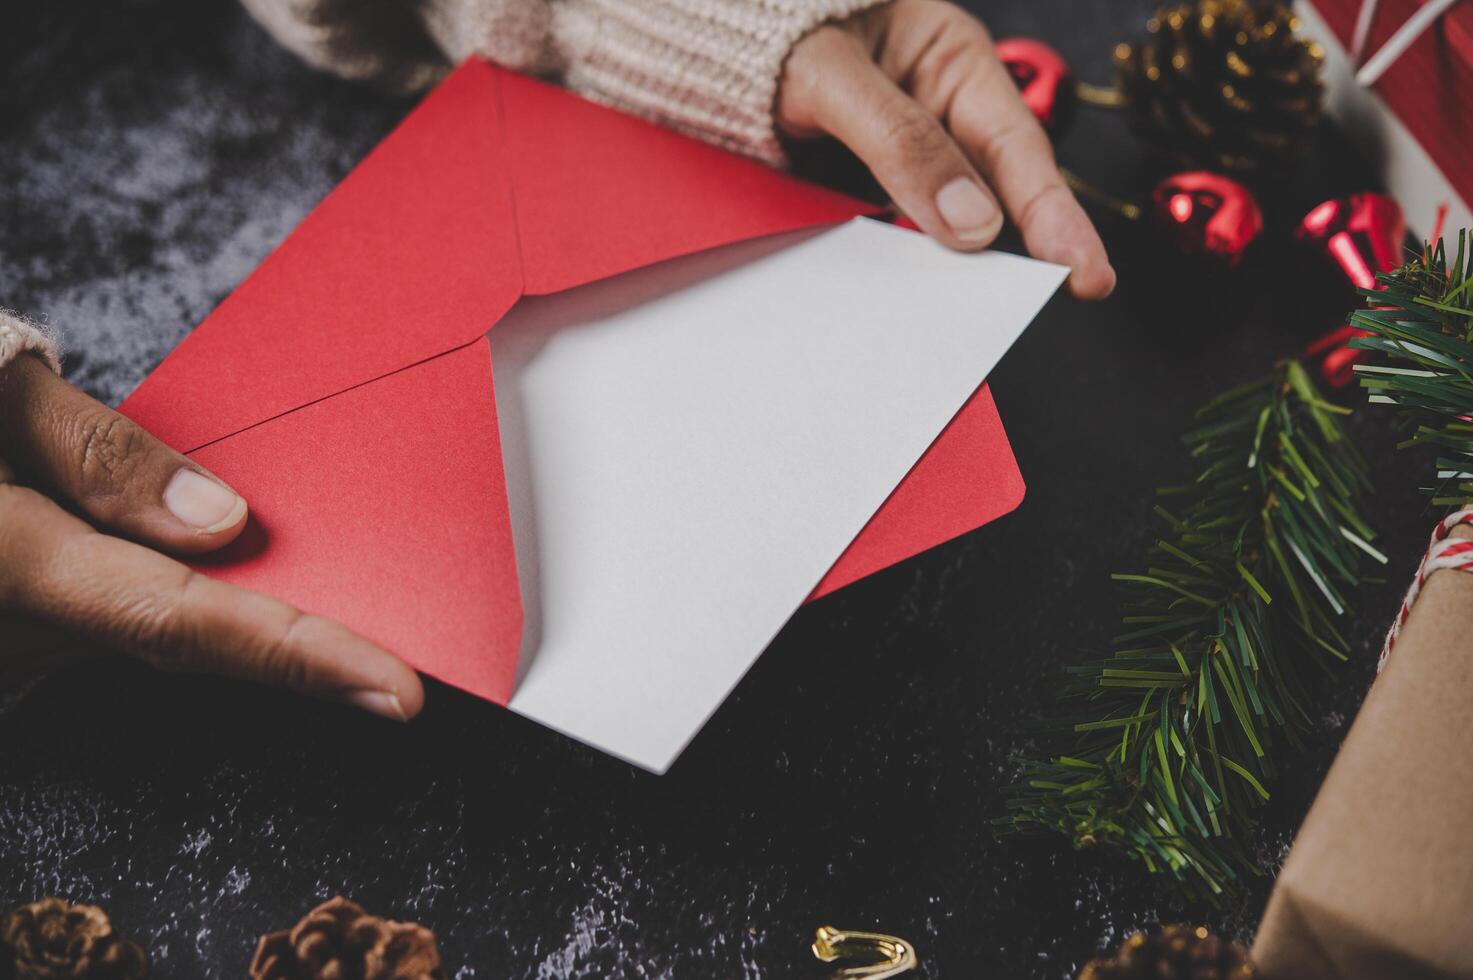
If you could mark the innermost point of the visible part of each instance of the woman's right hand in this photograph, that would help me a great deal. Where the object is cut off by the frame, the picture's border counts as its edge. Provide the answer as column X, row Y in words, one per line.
column 68, row 463
column 916, row 89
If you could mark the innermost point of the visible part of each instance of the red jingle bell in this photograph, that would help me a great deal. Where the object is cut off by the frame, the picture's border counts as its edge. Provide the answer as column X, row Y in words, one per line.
column 1043, row 79
column 1362, row 235
column 1205, row 213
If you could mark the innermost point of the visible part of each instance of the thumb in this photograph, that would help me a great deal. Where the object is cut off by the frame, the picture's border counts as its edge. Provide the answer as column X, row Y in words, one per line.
column 108, row 468
column 832, row 85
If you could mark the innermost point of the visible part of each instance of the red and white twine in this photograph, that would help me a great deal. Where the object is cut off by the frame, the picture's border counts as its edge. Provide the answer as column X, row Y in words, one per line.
column 1443, row 552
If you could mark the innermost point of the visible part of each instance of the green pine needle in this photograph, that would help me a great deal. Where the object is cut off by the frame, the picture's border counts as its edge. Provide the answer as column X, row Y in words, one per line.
column 1167, row 751
column 1419, row 325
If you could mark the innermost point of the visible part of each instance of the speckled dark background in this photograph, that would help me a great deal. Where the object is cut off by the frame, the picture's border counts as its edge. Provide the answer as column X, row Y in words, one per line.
column 152, row 151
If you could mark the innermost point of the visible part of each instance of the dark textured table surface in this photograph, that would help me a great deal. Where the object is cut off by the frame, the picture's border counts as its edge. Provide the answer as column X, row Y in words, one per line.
column 152, row 152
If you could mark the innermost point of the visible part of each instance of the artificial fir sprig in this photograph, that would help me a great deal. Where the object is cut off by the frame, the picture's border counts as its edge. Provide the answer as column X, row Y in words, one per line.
column 1420, row 321
column 1167, row 750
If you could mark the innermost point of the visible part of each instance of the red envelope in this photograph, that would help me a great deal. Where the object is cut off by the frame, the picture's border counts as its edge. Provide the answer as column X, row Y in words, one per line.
column 343, row 388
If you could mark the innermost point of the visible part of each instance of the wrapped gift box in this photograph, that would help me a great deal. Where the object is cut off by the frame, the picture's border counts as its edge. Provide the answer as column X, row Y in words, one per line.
column 1415, row 122
column 1379, row 882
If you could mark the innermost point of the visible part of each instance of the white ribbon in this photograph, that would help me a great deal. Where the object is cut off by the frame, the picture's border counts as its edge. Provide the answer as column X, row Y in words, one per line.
column 1405, row 36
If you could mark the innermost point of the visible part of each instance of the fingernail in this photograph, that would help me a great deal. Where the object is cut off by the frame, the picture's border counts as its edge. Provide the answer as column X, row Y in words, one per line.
column 1103, row 285
column 968, row 210
column 202, row 503
column 380, row 703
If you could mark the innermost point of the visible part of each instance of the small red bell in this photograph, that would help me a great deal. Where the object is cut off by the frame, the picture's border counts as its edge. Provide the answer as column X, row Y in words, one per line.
column 1043, row 79
column 1205, row 213
column 1339, row 361
column 1362, row 235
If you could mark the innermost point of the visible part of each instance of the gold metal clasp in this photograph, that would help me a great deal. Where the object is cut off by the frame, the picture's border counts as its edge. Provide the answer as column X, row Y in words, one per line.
column 883, row 956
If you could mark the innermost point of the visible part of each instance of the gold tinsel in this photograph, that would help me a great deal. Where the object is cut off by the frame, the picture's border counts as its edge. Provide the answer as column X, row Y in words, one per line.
column 1224, row 84
column 1174, row 953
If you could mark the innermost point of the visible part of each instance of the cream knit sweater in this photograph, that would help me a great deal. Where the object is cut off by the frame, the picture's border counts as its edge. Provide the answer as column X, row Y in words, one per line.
column 708, row 68
column 20, row 336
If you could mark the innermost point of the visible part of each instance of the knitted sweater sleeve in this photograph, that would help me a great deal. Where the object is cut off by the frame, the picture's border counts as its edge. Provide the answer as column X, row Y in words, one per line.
column 20, row 336
column 708, row 68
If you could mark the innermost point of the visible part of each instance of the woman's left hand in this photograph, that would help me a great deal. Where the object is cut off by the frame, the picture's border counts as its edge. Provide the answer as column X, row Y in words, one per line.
column 916, row 90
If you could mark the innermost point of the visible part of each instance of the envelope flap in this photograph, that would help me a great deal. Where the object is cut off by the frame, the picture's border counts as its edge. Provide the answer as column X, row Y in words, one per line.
column 600, row 193
column 384, row 508
column 412, row 255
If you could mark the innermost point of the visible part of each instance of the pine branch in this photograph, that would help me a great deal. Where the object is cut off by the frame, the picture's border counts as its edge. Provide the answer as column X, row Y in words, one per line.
column 1420, row 322
column 1167, row 750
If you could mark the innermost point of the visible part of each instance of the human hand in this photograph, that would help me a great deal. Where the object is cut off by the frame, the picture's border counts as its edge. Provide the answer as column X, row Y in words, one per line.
column 916, row 90
column 63, row 454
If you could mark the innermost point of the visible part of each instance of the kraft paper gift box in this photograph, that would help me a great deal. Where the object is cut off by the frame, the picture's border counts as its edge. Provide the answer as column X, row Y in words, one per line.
column 1379, row 882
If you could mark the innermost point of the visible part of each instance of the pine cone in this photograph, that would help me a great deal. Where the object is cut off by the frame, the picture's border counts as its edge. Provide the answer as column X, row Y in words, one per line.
column 1224, row 84
column 339, row 941
column 1174, row 953
column 51, row 940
